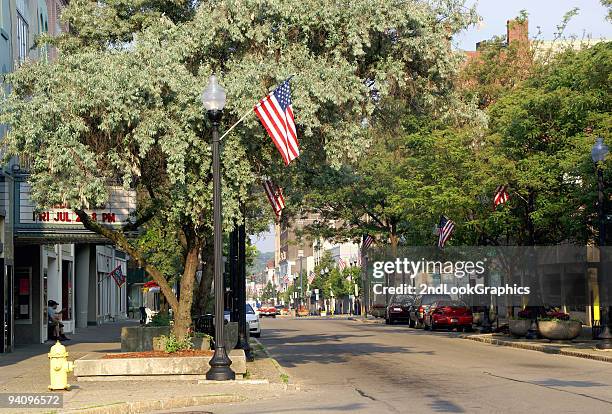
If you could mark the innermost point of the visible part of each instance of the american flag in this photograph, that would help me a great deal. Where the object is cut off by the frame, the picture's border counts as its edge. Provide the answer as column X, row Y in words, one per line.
column 311, row 277
column 341, row 264
column 275, row 196
column 501, row 195
column 445, row 229
column 367, row 241
column 118, row 275
column 276, row 114
column 286, row 280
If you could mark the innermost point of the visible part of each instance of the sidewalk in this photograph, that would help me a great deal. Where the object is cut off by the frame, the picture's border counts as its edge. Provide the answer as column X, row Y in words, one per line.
column 26, row 370
column 578, row 348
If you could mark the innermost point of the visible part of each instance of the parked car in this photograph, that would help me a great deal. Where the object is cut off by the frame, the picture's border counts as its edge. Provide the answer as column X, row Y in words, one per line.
column 420, row 307
column 399, row 309
column 267, row 310
column 449, row 314
column 253, row 321
column 378, row 310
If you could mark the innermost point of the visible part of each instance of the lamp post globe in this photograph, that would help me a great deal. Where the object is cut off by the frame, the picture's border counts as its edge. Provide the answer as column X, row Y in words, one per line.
column 599, row 151
column 598, row 155
column 213, row 96
column 213, row 99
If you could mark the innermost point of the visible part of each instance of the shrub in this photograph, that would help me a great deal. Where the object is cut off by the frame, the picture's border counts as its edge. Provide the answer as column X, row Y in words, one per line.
column 161, row 319
column 174, row 344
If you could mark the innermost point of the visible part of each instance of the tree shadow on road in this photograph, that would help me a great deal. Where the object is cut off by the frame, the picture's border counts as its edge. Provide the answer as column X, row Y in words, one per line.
column 326, row 348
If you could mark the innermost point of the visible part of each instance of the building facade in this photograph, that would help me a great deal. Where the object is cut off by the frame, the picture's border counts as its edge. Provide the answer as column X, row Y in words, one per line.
column 47, row 254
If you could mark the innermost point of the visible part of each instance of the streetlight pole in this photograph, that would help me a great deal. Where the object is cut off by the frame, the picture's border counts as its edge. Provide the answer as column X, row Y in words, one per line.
column 598, row 155
column 301, row 256
column 213, row 99
column 243, row 341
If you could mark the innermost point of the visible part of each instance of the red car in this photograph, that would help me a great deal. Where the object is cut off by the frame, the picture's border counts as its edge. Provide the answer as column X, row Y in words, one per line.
column 449, row 314
column 267, row 310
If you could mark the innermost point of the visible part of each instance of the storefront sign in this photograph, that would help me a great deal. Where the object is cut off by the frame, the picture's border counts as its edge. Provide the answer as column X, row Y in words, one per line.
column 116, row 211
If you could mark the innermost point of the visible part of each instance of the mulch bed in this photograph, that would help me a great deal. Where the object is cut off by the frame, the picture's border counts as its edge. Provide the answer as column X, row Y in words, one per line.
column 159, row 354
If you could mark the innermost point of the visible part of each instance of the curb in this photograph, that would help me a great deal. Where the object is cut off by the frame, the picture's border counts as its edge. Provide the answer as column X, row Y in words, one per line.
column 540, row 348
column 156, row 405
column 279, row 368
column 376, row 321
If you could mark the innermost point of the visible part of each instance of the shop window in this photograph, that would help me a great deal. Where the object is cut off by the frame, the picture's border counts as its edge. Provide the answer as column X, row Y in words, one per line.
column 22, row 39
column 23, row 295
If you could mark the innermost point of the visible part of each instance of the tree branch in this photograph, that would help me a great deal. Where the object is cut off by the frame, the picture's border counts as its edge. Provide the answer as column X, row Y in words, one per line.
column 121, row 240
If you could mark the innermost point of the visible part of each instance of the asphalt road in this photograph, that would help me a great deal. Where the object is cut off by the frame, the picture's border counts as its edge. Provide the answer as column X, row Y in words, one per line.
column 348, row 366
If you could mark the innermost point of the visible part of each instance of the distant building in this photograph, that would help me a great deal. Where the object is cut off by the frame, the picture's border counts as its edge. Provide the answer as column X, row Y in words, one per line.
column 517, row 32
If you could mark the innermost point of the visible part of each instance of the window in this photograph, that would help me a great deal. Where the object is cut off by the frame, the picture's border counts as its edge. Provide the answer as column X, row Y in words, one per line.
column 23, row 295
column 22, row 38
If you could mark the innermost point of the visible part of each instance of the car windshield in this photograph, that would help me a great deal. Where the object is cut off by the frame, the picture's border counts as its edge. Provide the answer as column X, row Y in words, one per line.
column 452, row 303
column 403, row 299
column 429, row 299
column 249, row 309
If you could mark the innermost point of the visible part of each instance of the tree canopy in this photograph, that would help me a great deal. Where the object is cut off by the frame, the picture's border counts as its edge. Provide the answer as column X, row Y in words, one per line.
column 121, row 103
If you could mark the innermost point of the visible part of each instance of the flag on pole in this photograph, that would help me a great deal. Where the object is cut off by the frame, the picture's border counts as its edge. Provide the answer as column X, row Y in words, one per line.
column 445, row 228
column 276, row 114
column 341, row 264
column 118, row 275
column 367, row 241
column 311, row 277
column 275, row 197
column 501, row 195
column 286, row 280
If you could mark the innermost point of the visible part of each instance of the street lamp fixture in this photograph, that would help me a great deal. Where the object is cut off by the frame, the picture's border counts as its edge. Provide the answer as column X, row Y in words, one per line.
column 598, row 155
column 213, row 99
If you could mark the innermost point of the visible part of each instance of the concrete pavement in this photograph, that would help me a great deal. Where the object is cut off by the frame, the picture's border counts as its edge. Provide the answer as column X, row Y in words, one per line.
column 342, row 366
column 26, row 370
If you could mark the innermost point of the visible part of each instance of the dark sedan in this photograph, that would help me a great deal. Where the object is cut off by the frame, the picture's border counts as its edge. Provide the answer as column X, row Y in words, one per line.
column 449, row 314
column 399, row 309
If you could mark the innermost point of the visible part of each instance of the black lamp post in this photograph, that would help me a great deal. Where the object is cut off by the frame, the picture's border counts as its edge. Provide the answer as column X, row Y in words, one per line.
column 598, row 155
column 301, row 256
column 213, row 98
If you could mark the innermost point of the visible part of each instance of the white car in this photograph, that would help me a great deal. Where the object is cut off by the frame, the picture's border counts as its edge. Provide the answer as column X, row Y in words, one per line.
column 253, row 321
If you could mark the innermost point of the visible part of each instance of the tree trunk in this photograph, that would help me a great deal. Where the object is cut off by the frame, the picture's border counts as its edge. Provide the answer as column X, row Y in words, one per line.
column 121, row 240
column 182, row 316
column 204, row 297
column 394, row 240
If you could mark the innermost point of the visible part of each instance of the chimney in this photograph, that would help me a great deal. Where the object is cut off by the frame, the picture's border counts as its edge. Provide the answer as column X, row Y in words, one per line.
column 517, row 31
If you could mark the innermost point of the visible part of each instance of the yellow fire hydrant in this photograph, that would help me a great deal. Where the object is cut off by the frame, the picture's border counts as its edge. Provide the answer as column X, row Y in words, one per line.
column 60, row 367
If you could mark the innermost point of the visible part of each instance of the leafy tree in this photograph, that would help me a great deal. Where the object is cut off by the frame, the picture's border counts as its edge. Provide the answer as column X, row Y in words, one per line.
column 268, row 293
column 121, row 103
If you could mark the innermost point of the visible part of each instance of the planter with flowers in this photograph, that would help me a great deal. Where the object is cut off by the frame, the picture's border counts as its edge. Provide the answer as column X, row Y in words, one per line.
column 519, row 326
column 556, row 329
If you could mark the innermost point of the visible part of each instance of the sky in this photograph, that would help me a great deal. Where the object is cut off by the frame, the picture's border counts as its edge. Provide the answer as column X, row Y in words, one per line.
column 547, row 14
column 264, row 241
